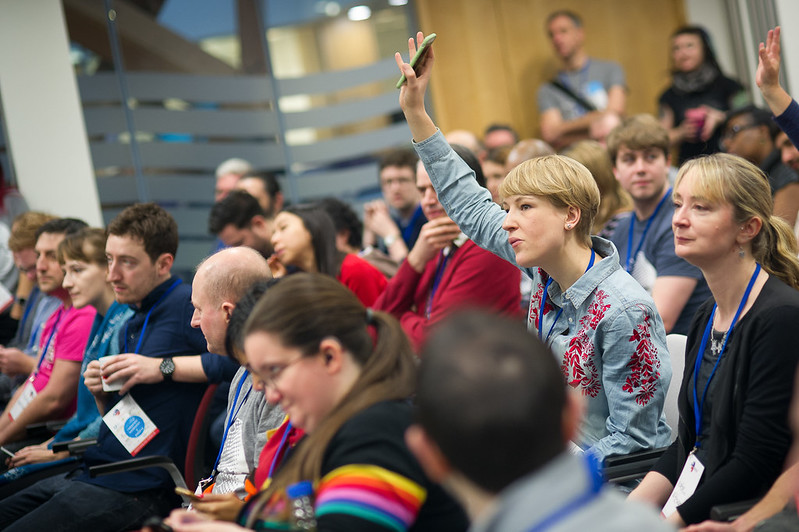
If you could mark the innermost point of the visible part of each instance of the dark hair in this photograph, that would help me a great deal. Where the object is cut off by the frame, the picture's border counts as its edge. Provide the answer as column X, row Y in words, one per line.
column 501, row 127
column 234, row 337
column 301, row 311
column 574, row 17
column 271, row 186
column 152, row 225
column 470, row 159
column 491, row 396
column 237, row 208
column 757, row 117
column 402, row 157
column 344, row 219
column 61, row 226
column 323, row 236
column 74, row 246
column 707, row 46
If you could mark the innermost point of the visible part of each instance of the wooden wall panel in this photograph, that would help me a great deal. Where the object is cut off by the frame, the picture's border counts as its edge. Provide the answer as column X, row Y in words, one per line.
column 493, row 54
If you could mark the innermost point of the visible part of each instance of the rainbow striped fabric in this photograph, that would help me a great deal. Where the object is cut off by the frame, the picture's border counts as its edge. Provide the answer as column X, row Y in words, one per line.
column 371, row 493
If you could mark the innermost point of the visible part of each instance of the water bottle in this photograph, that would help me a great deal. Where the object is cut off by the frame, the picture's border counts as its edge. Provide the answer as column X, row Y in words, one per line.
column 301, row 512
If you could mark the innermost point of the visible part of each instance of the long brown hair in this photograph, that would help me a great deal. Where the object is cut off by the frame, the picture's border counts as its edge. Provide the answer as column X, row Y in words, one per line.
column 730, row 179
column 302, row 310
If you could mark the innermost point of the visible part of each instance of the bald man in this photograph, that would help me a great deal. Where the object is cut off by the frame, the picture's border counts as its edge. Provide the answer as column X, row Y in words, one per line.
column 219, row 282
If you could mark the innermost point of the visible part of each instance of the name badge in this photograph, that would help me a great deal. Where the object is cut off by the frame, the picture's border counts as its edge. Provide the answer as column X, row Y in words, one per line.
column 131, row 426
column 686, row 484
column 25, row 398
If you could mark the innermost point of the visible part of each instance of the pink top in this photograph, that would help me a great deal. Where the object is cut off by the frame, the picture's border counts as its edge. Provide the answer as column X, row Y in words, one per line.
column 72, row 327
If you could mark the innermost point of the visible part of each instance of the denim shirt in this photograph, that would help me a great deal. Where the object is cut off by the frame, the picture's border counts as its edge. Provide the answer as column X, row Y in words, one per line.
column 609, row 339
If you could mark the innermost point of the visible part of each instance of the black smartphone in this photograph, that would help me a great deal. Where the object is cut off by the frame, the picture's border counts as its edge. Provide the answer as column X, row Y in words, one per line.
column 420, row 54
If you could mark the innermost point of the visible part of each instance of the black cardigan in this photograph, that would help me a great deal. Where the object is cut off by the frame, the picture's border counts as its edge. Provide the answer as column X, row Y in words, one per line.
column 751, row 434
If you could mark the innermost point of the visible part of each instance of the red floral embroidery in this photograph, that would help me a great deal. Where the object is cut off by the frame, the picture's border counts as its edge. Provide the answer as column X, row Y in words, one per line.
column 644, row 364
column 578, row 361
column 535, row 302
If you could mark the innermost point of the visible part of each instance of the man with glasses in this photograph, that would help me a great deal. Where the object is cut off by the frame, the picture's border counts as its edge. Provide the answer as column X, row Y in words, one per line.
column 749, row 132
column 393, row 224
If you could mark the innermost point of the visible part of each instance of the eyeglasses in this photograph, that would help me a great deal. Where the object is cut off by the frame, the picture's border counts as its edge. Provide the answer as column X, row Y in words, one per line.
column 273, row 372
column 732, row 131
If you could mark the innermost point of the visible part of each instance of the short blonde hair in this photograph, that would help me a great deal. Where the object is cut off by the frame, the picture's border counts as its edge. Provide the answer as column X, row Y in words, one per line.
column 725, row 178
column 561, row 180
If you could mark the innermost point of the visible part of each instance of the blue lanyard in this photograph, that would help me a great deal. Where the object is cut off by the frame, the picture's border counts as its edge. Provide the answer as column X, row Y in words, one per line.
column 147, row 318
column 590, row 493
column 407, row 231
column 28, row 308
column 631, row 256
column 50, row 338
column 698, row 413
column 560, row 311
column 442, row 263
column 279, row 449
column 233, row 413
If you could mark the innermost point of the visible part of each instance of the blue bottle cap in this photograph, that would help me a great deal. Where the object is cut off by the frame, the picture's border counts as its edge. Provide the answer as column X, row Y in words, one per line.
column 300, row 489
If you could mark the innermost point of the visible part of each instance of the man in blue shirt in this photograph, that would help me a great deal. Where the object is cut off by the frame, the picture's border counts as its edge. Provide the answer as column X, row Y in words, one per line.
column 141, row 248
column 639, row 151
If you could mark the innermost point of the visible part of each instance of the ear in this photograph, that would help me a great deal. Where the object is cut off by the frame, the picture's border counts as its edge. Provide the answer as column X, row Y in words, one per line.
column 573, row 215
column 427, row 452
column 749, row 230
column 333, row 354
column 277, row 202
column 572, row 415
column 227, row 310
column 163, row 264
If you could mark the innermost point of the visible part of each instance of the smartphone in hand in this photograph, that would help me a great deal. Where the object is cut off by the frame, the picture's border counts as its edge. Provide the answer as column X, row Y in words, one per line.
column 183, row 492
column 419, row 56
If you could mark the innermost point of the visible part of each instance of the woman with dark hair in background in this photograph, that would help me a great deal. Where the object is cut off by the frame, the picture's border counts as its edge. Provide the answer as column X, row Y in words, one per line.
column 693, row 108
column 305, row 239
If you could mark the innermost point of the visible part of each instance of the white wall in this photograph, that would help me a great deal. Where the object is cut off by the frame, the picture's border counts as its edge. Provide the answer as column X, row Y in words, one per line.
column 43, row 115
column 788, row 12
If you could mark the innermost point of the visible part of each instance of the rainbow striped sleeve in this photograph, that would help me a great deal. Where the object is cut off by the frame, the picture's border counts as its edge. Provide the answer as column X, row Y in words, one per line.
column 371, row 493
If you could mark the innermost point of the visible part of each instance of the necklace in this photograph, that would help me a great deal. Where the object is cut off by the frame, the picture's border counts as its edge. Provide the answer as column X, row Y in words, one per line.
column 715, row 344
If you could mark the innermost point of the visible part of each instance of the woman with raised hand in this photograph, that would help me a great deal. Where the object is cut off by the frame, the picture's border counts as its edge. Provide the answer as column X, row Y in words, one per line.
column 741, row 353
column 304, row 239
column 343, row 374
column 597, row 319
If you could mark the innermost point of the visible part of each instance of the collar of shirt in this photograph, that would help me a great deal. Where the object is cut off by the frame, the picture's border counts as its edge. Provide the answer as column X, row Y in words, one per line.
column 153, row 296
column 458, row 242
column 588, row 282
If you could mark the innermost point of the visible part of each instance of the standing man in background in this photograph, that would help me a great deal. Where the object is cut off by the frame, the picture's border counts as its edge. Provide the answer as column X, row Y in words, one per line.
column 584, row 90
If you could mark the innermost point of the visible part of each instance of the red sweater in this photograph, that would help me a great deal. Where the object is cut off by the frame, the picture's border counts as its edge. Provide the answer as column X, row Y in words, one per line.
column 362, row 278
column 472, row 277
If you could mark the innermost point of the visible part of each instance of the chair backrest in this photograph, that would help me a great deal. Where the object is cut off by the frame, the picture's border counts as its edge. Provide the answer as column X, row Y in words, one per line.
column 676, row 344
column 198, row 440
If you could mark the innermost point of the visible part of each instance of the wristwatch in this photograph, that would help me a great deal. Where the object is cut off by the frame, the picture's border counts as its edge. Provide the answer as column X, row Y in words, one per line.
column 167, row 368
column 390, row 239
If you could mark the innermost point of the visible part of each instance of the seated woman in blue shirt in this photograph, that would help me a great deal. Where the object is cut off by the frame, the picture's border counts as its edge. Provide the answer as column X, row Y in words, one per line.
column 595, row 317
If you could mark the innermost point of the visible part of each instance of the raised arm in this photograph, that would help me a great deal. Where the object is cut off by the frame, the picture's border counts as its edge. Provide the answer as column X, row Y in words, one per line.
column 768, row 73
column 413, row 91
column 468, row 204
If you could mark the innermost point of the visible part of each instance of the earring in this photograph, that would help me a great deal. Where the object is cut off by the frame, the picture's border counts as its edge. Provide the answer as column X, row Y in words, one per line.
column 568, row 226
column 741, row 252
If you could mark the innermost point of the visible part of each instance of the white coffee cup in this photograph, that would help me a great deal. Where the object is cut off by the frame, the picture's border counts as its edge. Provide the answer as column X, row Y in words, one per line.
column 110, row 386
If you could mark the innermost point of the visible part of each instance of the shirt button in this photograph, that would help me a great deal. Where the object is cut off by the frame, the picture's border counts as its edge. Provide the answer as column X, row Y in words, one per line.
column 571, row 320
